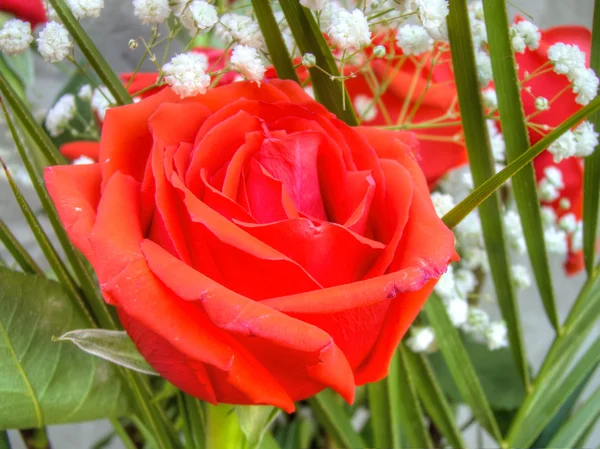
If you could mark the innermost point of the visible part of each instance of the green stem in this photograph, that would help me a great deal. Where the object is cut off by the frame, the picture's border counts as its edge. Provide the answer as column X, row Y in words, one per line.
column 223, row 428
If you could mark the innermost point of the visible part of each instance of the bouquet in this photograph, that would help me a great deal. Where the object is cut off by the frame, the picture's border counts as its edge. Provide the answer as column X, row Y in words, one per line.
column 277, row 228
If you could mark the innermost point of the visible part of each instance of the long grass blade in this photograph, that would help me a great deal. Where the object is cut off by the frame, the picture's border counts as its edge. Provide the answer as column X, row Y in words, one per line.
column 460, row 365
column 482, row 168
column 591, row 168
column 18, row 252
column 384, row 405
column 106, row 74
column 512, row 119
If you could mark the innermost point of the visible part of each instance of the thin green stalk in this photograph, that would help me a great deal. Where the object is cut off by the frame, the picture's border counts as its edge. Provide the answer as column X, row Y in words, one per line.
column 18, row 252
column 514, row 129
column 482, row 165
column 384, row 404
column 591, row 170
column 106, row 74
column 122, row 434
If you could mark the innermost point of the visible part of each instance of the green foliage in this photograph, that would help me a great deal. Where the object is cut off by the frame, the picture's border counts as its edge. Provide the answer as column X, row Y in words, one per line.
column 42, row 381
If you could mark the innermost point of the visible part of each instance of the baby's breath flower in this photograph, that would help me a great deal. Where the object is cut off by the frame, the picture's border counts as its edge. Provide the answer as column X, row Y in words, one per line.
column 350, row 30
column 422, row 339
column 315, row 5
column 514, row 231
column 240, row 29
column 565, row 203
column 365, row 108
column 152, row 12
column 585, row 85
column 484, row 67
column 186, row 74
column 556, row 241
column 542, row 104
column 308, row 60
column 198, row 16
column 458, row 310
column 60, row 115
column 568, row 223
column 547, row 191
column 101, row 100
column 86, row 8
column 246, row 60
column 496, row 141
column 465, row 281
column 83, row 160
column 563, row 147
column 446, row 286
column 554, row 176
column 566, row 59
column 15, row 37
column 414, row 39
column 379, row 51
column 85, row 92
column 477, row 322
column 587, row 139
column 432, row 14
column 548, row 216
column 528, row 33
column 490, row 99
column 442, row 203
column 577, row 238
column 54, row 42
column 496, row 335
column 521, row 277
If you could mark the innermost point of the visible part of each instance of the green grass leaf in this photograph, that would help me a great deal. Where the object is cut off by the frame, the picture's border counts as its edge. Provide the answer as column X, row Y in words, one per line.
column 18, row 252
column 335, row 419
column 330, row 92
column 274, row 40
column 512, row 119
column 43, row 382
column 460, row 365
column 106, row 74
column 254, row 422
column 482, row 164
column 591, row 168
column 433, row 398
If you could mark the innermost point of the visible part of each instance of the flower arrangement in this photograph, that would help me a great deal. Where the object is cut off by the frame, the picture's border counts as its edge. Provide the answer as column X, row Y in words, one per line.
column 276, row 230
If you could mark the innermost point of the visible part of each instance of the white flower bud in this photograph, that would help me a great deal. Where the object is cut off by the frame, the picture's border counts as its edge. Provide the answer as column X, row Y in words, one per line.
column 554, row 176
column 153, row 12
column 186, row 74
column 496, row 335
column 477, row 322
column 542, row 104
column 514, row 231
column 246, row 60
column 458, row 310
column 556, row 241
column 379, row 51
column 15, row 37
column 54, row 42
column 547, row 191
column 308, row 60
column 548, row 216
column 422, row 339
column 484, row 67
column 465, row 281
column 565, row 203
column 60, row 115
column 568, row 223
column 85, row 92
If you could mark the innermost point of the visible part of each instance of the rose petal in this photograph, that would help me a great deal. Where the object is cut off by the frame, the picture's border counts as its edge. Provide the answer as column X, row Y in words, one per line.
column 73, row 150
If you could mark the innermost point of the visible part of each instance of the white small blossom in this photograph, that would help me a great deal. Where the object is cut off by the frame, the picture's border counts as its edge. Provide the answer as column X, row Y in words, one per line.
column 514, row 231
column 566, row 59
column 469, row 230
column 477, row 322
column 350, row 30
column 310, row 91
column 15, row 37
column 521, row 277
column 528, row 33
column 432, row 14
column 547, row 191
column 308, row 60
column 101, row 101
column 442, row 203
column 490, row 99
column 556, row 241
column 422, row 339
column 246, row 60
column 54, row 42
column 414, row 39
column 86, row 8
column 50, row 12
column 475, row 258
column 199, row 16
column 496, row 335
column 153, row 12
column 587, row 139
column 565, row 203
column 240, row 29
column 542, row 104
column 577, row 238
column 484, row 67
column 186, row 74
column 359, row 419
column 365, row 107
column 516, row 41
column 563, row 147
column 85, row 92
column 554, row 176
column 496, row 141
column 568, row 223
column 329, row 11
column 315, row 5
column 83, row 160
column 60, row 115
column 479, row 32
column 445, row 286
column 465, row 281
column 585, row 85
column 548, row 216
column 458, row 311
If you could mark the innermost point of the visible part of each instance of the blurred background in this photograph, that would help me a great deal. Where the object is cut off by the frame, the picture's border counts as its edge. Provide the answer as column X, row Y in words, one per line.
column 112, row 31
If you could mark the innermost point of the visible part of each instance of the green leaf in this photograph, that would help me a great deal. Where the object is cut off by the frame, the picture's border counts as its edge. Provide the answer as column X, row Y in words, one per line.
column 512, row 119
column 433, row 398
column 496, row 371
column 460, row 365
column 22, row 67
column 114, row 346
column 269, row 442
column 223, row 427
column 194, row 417
column 409, row 409
column 29, row 124
column 43, row 382
column 4, row 442
column 384, row 406
column 545, row 400
column 274, row 40
column 482, row 165
column 591, row 169
column 106, row 74
column 18, row 252
column 254, row 422
column 335, row 419
column 328, row 90
column 482, row 192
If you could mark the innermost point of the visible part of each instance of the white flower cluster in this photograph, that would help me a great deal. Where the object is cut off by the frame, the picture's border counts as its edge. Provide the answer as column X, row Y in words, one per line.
column 432, row 14
column 59, row 116
column 580, row 142
column 100, row 101
column 246, row 60
column 15, row 37
column 524, row 34
column 365, row 108
column 497, row 143
column 198, row 15
column 349, row 30
column 414, row 39
column 186, row 74
column 54, row 42
column 241, row 29
column 153, row 12
column 86, row 8
column 569, row 60
column 315, row 5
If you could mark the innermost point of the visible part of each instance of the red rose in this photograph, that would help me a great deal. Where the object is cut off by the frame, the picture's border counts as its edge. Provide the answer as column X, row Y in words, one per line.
column 257, row 249
column 29, row 10
column 554, row 86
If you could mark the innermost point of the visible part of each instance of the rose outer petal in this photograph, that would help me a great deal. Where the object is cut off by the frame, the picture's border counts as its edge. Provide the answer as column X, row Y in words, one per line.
column 73, row 150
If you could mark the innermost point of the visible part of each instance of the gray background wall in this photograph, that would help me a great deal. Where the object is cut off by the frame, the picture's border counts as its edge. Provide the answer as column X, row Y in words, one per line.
column 113, row 30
